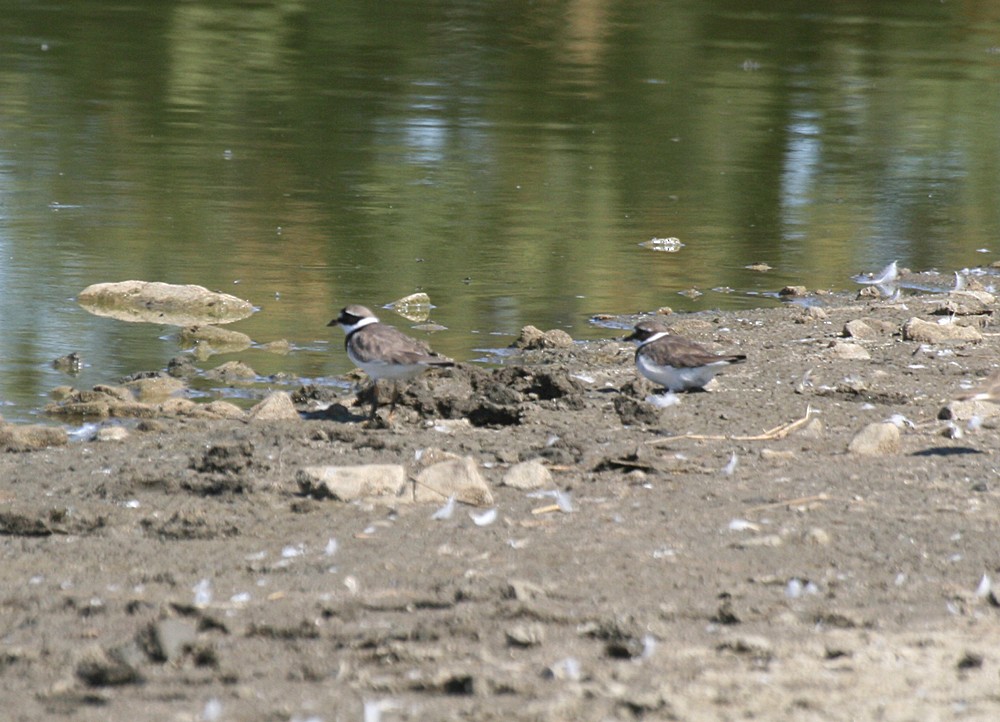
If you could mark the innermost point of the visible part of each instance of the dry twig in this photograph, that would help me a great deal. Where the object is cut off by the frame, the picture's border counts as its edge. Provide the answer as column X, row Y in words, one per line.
column 778, row 432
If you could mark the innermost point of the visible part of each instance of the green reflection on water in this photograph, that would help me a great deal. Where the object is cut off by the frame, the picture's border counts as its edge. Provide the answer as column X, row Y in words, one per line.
column 506, row 158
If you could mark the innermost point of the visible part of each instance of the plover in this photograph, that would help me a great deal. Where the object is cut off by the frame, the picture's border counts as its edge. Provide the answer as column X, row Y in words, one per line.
column 676, row 363
column 383, row 352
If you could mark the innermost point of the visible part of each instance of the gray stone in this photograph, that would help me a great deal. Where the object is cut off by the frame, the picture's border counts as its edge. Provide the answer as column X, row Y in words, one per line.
column 167, row 303
column 876, row 439
column 457, row 477
column 385, row 482
column 527, row 475
column 276, row 406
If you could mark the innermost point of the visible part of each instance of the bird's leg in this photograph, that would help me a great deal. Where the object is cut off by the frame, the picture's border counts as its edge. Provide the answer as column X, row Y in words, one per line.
column 395, row 398
column 374, row 400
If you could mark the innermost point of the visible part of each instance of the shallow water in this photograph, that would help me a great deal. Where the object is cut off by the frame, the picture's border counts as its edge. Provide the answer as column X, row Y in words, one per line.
column 513, row 161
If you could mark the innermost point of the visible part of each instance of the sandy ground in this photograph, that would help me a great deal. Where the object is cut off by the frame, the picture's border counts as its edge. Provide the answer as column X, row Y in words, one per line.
column 699, row 568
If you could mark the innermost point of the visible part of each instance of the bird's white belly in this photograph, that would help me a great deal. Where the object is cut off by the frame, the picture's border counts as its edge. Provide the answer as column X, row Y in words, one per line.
column 382, row 370
column 678, row 379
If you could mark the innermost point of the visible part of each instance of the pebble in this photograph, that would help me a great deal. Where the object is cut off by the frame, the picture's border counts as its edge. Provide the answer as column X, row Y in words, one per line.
column 31, row 437
column 876, row 439
column 527, row 475
column 112, row 433
column 385, row 482
column 277, row 406
column 848, row 351
column 456, row 477
column 926, row 332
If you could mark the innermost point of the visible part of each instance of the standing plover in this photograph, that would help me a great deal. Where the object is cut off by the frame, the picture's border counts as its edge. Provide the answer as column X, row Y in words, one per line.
column 676, row 363
column 384, row 352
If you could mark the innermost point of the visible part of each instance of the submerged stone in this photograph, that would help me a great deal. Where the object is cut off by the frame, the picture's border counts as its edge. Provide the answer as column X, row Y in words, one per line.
column 166, row 303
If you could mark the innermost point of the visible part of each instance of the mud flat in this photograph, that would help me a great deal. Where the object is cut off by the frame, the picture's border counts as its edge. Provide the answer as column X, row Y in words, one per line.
column 815, row 538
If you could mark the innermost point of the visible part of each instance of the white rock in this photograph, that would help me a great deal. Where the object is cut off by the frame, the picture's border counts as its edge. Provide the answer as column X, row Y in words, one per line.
column 112, row 433
column 926, row 332
column 456, row 477
column 849, row 351
column 276, row 406
column 385, row 482
column 877, row 439
column 163, row 303
column 527, row 475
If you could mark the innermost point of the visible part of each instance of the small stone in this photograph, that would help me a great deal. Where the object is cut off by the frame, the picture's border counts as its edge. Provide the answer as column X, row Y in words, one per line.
column 526, row 635
column 219, row 410
column 219, row 339
column 231, row 371
column 759, row 267
column 31, row 437
column 777, row 456
column 860, row 330
column 965, row 410
column 532, row 338
column 926, row 332
column 167, row 639
column 527, row 475
column 156, row 389
column 276, row 406
column 112, row 433
column 817, row 537
column 848, row 351
column 100, row 668
column 794, row 291
column 280, row 346
column 385, row 482
column 876, row 439
column 750, row 645
column 459, row 478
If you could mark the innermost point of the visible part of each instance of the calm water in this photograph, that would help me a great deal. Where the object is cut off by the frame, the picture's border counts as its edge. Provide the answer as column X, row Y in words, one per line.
column 506, row 158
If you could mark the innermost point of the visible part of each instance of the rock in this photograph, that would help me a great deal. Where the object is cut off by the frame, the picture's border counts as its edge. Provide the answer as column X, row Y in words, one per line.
column 812, row 313
column 776, row 455
column 386, row 482
column 152, row 302
column 220, row 339
column 167, row 639
column 965, row 410
column 99, row 668
column 812, row 429
column 457, row 477
column 276, row 406
column 111, row 433
column 218, row 410
column 416, row 307
column 860, row 330
column 750, row 645
column 926, row 332
column 280, row 346
column 817, row 537
column 794, row 291
column 759, row 267
column 527, row 475
column 876, row 439
column 71, row 363
column 532, row 338
column 31, row 437
column 231, row 371
column 531, row 634
column 848, row 351
column 155, row 389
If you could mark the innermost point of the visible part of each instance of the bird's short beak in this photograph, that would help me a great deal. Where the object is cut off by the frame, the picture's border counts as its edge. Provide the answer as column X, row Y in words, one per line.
column 334, row 322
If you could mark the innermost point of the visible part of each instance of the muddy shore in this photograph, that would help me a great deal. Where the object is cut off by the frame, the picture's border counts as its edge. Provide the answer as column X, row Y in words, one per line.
column 739, row 554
